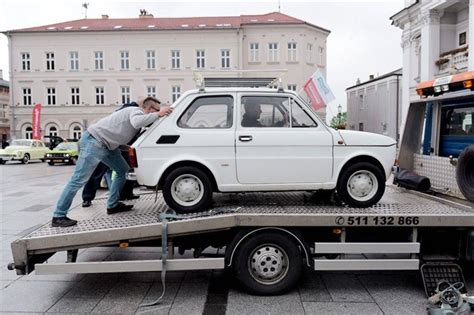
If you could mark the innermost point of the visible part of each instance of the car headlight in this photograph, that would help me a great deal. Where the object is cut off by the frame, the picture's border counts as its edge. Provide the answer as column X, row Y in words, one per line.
column 48, row 155
column 66, row 155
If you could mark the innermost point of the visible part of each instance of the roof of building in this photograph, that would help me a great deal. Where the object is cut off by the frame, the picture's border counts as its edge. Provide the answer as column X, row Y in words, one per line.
column 148, row 22
column 397, row 72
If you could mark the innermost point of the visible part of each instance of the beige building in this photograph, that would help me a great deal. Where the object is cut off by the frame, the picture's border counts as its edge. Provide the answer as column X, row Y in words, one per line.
column 83, row 70
column 4, row 109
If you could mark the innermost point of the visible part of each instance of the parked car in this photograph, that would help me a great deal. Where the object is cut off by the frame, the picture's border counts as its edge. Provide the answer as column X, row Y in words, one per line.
column 65, row 152
column 24, row 150
column 254, row 139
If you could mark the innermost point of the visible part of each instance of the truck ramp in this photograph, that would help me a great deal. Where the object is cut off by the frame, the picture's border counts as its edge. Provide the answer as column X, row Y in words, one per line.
column 397, row 208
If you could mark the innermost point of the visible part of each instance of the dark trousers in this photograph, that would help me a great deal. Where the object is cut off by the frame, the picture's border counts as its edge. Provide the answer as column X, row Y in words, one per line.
column 90, row 189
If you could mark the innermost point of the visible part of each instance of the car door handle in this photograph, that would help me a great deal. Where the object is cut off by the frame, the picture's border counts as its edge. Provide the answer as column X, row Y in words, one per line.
column 245, row 138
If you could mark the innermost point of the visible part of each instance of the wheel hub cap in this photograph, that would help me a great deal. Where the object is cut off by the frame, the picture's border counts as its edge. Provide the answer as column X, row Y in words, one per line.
column 187, row 189
column 361, row 185
column 268, row 263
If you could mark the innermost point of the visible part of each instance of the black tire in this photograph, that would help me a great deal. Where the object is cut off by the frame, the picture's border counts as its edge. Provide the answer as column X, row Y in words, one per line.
column 268, row 249
column 43, row 160
column 2, row 162
column 191, row 173
column 370, row 173
column 25, row 159
column 73, row 160
column 50, row 163
column 465, row 172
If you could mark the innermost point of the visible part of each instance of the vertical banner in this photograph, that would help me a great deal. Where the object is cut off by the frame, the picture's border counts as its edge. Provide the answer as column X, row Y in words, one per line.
column 36, row 122
column 318, row 90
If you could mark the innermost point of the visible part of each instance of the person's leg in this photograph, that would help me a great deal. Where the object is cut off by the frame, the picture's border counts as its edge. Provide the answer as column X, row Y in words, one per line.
column 108, row 177
column 116, row 162
column 90, row 154
column 90, row 189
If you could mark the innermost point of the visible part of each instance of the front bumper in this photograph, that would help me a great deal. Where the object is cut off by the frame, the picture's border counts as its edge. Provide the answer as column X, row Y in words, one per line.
column 5, row 157
column 58, row 159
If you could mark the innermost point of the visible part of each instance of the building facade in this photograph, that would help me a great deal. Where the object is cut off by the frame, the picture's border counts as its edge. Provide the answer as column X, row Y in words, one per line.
column 435, row 42
column 82, row 70
column 375, row 105
column 4, row 109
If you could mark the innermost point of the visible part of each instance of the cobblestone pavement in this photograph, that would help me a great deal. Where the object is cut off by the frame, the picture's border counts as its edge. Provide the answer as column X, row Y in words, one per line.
column 28, row 195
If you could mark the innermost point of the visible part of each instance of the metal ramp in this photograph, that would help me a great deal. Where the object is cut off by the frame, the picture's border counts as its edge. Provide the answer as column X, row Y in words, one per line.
column 282, row 209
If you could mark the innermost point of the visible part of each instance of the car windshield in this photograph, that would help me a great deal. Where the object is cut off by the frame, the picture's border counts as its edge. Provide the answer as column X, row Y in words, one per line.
column 21, row 142
column 67, row 146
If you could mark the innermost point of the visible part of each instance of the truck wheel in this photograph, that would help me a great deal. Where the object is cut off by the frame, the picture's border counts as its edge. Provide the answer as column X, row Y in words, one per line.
column 50, row 163
column 361, row 185
column 465, row 172
column 268, row 263
column 25, row 159
column 187, row 189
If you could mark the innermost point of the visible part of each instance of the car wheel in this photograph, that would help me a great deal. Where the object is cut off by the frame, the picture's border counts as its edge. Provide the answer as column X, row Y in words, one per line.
column 73, row 160
column 43, row 160
column 187, row 189
column 25, row 159
column 268, row 263
column 465, row 172
column 2, row 162
column 50, row 163
column 361, row 185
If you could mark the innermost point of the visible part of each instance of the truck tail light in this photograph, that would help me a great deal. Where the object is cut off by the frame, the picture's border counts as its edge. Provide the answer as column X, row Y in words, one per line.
column 132, row 154
column 467, row 84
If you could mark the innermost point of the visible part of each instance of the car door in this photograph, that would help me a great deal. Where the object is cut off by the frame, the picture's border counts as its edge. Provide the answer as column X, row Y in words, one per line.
column 33, row 151
column 273, row 149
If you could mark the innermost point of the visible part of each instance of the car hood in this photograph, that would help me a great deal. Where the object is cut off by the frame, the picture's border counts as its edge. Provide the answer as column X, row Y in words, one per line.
column 14, row 148
column 352, row 137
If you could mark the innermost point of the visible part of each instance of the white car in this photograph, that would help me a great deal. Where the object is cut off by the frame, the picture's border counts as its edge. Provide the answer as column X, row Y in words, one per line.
column 24, row 150
column 242, row 139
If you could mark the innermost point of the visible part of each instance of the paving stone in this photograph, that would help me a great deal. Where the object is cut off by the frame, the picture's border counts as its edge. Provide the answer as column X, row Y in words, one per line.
column 154, row 293
column 123, row 298
column 328, row 308
column 171, row 276
column 68, row 305
column 6, row 274
column 32, row 296
column 242, row 303
column 346, row 288
column 313, row 289
column 94, row 285
column 198, row 276
column 190, row 299
column 400, row 293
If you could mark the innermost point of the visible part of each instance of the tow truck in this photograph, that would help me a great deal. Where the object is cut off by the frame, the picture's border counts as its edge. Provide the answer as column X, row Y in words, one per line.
column 266, row 239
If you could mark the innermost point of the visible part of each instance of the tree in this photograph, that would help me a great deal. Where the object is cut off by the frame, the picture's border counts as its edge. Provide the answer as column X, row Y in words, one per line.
column 339, row 121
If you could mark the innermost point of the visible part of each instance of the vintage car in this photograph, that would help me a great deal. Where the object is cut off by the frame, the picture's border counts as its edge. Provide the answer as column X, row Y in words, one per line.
column 65, row 152
column 256, row 139
column 24, row 150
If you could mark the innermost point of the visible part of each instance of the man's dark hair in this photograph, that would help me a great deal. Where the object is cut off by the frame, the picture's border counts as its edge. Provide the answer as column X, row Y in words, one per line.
column 151, row 99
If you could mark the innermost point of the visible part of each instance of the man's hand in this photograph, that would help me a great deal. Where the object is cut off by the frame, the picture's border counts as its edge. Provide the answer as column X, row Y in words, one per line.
column 164, row 111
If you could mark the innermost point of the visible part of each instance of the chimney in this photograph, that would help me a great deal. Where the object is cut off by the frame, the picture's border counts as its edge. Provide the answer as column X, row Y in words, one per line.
column 144, row 14
column 105, row 16
column 371, row 77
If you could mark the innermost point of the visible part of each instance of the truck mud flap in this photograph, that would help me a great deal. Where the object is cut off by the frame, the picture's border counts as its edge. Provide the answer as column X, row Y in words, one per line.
column 433, row 273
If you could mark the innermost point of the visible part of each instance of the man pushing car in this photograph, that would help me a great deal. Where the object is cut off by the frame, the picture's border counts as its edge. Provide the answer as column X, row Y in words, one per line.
column 100, row 143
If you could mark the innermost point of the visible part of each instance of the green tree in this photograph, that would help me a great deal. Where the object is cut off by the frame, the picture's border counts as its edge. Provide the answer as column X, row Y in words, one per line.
column 339, row 121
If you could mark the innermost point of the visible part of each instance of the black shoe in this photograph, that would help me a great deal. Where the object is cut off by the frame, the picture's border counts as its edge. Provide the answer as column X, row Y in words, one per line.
column 86, row 203
column 131, row 197
column 120, row 207
column 62, row 222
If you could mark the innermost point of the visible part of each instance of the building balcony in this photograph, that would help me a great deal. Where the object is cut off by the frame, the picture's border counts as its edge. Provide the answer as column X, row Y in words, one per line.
column 453, row 61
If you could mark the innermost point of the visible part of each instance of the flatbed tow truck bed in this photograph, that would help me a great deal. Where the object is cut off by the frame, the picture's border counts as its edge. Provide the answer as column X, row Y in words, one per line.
column 294, row 213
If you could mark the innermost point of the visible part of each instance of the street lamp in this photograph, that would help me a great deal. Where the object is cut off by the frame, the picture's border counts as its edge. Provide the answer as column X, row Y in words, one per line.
column 339, row 111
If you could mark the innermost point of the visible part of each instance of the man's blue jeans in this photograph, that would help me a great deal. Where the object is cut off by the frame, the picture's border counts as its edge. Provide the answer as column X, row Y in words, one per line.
column 91, row 153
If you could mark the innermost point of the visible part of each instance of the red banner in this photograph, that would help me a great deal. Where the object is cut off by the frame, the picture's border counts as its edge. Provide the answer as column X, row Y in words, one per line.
column 36, row 122
column 311, row 90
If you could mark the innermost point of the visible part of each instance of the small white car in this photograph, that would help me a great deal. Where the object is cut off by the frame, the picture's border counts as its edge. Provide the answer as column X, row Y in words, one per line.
column 256, row 139
column 24, row 150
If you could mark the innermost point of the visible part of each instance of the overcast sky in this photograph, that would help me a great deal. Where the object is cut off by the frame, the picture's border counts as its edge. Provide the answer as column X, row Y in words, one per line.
column 362, row 41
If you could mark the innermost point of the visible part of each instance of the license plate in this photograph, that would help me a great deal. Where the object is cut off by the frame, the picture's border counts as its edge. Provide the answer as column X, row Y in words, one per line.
column 58, row 161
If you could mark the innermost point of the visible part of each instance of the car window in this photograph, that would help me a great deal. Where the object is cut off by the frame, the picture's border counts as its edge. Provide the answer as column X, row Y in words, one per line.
column 208, row 112
column 264, row 111
column 33, row 144
column 300, row 118
column 21, row 142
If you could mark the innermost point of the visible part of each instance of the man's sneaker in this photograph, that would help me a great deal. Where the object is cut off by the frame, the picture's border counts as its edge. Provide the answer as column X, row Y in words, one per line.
column 86, row 203
column 120, row 207
column 131, row 197
column 62, row 222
